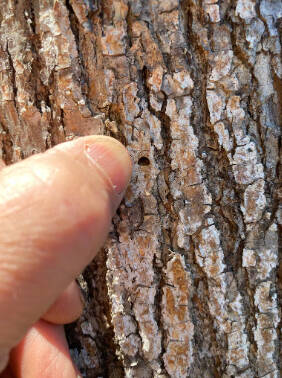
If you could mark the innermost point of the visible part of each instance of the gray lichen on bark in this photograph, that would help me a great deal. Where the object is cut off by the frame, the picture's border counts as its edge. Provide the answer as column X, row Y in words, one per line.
column 188, row 283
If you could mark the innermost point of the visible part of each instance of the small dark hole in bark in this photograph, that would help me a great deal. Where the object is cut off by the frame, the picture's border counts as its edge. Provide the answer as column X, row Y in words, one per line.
column 143, row 161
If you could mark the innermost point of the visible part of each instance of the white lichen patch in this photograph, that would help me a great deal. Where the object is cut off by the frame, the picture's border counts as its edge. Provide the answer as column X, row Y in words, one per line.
column 209, row 253
column 254, row 202
column 238, row 349
column 265, row 333
column 233, row 110
column 263, row 75
column 230, row 83
column 265, row 300
column 209, row 256
column 248, row 258
column 179, row 329
column 216, row 105
column 169, row 33
column 130, row 101
column 155, row 79
column 246, row 9
column 133, row 260
column 224, row 139
column 212, row 10
column 271, row 11
column 148, row 330
column 238, row 343
column 156, row 103
column 254, row 32
column 268, row 262
column 268, row 254
column 197, row 204
column 178, row 84
column 57, row 41
column 217, row 308
column 155, row 128
column 188, row 182
column 246, row 174
column 245, row 167
column 221, row 64
column 243, row 147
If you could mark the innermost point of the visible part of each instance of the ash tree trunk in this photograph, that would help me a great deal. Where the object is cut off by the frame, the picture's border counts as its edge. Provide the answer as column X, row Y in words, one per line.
column 188, row 284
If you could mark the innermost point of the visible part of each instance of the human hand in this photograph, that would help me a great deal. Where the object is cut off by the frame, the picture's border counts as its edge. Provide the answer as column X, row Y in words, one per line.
column 55, row 214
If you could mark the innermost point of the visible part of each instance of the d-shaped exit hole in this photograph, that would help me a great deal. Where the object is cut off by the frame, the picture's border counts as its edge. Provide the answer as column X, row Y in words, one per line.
column 144, row 161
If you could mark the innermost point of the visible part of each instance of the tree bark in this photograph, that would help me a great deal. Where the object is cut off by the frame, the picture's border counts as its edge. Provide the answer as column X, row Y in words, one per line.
column 188, row 284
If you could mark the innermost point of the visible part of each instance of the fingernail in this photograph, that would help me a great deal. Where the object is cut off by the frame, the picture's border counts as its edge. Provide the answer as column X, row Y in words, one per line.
column 112, row 160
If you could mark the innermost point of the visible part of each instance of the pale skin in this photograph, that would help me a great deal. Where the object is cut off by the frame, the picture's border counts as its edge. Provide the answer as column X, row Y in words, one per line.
column 55, row 214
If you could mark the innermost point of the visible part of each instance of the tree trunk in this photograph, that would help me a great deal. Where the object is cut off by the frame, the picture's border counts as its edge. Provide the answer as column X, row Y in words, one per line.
column 188, row 283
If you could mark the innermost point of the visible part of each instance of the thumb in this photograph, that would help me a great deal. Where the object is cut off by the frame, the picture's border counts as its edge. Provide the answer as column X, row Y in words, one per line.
column 55, row 213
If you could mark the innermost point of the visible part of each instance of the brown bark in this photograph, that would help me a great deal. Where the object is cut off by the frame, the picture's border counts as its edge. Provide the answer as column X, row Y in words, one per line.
column 188, row 284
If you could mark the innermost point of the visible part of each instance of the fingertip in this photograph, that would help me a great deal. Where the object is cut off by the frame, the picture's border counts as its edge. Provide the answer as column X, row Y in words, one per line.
column 112, row 159
column 43, row 353
column 56, row 210
column 67, row 308
column 107, row 155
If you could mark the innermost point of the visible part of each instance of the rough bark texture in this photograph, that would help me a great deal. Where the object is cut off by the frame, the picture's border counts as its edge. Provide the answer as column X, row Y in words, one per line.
column 188, row 284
